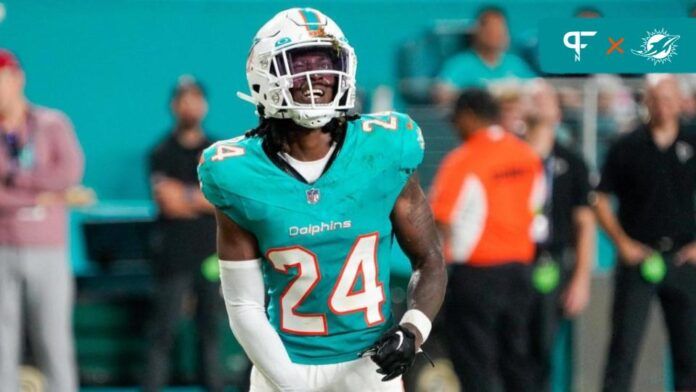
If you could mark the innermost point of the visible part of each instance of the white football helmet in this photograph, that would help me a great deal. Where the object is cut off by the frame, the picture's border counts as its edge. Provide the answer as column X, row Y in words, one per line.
column 271, row 75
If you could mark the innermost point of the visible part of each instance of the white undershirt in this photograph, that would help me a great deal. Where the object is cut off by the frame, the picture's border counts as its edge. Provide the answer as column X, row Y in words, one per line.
column 310, row 170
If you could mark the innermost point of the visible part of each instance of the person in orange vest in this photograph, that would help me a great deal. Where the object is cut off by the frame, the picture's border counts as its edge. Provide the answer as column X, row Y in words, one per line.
column 485, row 198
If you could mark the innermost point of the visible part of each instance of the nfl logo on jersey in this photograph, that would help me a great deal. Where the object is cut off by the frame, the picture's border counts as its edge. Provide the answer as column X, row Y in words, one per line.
column 313, row 196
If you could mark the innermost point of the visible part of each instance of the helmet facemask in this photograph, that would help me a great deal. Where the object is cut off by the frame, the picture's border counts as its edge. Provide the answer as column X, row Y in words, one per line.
column 310, row 82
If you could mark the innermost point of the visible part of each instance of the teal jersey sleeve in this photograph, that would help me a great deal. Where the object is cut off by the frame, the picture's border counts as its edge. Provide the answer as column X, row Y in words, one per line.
column 216, row 182
column 413, row 145
column 209, row 187
column 398, row 136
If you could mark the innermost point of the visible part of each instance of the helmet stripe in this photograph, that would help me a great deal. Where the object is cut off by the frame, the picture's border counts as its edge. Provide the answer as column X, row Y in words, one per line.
column 311, row 19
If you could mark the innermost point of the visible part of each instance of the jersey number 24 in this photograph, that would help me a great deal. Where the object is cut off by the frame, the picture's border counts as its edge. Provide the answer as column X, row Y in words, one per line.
column 360, row 263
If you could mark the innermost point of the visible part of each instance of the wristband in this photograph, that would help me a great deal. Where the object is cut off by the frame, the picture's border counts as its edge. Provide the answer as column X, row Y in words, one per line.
column 419, row 320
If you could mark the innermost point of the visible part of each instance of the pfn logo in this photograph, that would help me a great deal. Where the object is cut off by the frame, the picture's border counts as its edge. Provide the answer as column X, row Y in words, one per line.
column 573, row 40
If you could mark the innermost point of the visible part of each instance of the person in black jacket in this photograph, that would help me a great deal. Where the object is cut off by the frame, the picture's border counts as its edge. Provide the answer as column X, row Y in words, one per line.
column 652, row 173
column 185, row 237
column 566, row 246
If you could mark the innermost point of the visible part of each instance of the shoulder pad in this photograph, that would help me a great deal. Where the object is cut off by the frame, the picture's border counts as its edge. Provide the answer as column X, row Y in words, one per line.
column 224, row 149
column 221, row 170
column 397, row 130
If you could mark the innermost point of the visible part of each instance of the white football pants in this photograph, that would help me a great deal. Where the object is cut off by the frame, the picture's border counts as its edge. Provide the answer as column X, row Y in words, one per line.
column 358, row 375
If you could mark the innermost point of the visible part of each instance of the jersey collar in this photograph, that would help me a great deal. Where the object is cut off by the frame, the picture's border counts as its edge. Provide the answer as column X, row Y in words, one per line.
column 289, row 170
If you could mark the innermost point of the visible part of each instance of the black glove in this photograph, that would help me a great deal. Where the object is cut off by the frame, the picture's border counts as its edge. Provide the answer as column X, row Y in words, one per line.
column 394, row 352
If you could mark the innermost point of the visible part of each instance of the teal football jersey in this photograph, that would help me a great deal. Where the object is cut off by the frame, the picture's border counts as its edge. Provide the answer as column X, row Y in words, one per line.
column 326, row 245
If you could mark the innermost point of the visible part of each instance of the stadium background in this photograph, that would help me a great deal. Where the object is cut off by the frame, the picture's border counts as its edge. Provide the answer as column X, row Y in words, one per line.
column 110, row 65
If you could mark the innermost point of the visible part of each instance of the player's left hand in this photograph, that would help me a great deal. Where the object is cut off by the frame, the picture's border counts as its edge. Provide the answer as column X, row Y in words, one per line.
column 394, row 352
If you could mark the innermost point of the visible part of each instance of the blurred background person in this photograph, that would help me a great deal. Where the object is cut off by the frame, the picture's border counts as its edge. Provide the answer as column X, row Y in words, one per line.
column 567, row 251
column 487, row 61
column 616, row 112
column 687, row 82
column 508, row 94
column 652, row 172
column 40, row 158
column 484, row 200
column 185, row 238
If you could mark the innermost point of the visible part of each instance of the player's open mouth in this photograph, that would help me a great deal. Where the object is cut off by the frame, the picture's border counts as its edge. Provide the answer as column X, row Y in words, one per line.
column 316, row 93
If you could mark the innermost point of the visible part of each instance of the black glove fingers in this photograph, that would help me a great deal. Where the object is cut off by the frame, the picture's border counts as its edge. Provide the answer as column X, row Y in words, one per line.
column 391, row 362
column 394, row 352
column 396, row 373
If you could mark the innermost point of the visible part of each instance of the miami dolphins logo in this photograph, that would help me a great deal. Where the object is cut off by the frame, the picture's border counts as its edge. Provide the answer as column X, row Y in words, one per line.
column 659, row 46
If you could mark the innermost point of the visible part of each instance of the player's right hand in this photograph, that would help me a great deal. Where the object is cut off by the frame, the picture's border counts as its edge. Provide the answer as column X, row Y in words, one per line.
column 394, row 352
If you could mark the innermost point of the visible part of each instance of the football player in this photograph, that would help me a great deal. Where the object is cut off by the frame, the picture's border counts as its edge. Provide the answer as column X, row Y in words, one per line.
column 308, row 206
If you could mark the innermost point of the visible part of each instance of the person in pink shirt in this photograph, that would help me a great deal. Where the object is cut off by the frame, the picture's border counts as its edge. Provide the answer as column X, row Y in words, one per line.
column 40, row 159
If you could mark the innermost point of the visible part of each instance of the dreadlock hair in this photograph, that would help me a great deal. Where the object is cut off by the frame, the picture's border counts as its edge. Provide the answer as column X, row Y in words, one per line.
column 276, row 132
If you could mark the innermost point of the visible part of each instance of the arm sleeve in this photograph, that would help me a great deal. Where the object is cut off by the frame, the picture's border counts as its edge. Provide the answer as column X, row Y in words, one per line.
column 209, row 185
column 219, row 196
column 243, row 290
column 66, row 165
column 466, row 218
column 157, row 163
column 413, row 147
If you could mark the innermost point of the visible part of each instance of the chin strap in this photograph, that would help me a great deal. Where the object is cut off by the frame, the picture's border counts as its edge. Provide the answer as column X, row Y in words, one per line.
column 313, row 123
